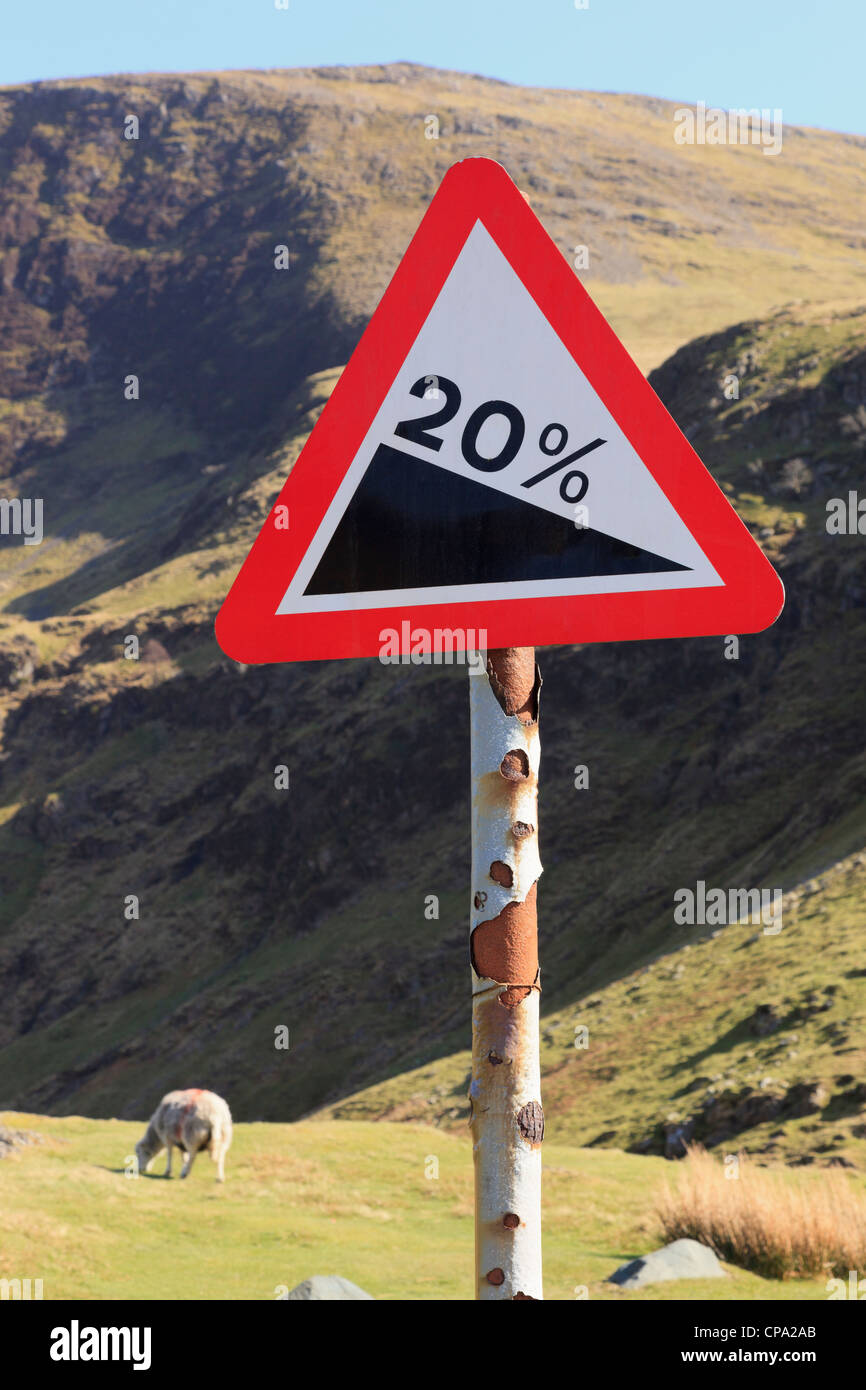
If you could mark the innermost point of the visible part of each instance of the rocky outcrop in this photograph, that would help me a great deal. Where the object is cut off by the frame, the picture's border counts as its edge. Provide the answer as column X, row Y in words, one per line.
column 726, row 1114
column 12, row 1140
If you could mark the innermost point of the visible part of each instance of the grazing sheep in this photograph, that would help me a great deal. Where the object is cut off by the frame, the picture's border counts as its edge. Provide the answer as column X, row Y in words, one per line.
column 192, row 1120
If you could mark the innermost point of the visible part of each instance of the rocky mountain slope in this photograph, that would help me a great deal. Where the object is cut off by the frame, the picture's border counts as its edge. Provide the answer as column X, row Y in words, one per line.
column 153, row 778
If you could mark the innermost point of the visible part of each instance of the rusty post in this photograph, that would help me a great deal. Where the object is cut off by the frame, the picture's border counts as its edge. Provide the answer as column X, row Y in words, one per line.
column 505, row 1093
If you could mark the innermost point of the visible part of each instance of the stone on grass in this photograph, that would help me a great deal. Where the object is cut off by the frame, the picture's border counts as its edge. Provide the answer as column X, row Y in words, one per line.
column 682, row 1259
column 328, row 1286
column 12, row 1139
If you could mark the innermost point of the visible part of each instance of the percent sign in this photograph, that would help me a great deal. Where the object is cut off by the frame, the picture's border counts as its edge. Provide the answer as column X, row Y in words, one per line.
column 418, row 430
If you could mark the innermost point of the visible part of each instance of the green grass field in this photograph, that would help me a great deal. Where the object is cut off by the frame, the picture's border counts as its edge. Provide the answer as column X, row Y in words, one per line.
column 319, row 1197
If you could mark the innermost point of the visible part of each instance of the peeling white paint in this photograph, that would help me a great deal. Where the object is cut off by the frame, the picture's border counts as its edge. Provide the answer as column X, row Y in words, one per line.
column 505, row 1049
column 507, row 1167
column 498, row 803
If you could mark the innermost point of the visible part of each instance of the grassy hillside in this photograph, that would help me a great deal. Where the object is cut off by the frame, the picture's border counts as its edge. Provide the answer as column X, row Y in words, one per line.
column 154, row 778
column 739, row 1039
column 169, row 237
column 305, row 1199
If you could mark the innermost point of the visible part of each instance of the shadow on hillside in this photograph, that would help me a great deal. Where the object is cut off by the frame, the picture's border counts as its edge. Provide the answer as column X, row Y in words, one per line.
column 738, row 1034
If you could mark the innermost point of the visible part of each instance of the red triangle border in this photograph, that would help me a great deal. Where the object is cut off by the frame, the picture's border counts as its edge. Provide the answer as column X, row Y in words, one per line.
column 751, row 597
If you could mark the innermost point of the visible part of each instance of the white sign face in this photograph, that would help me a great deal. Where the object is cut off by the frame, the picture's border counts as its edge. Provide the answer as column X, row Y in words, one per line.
column 492, row 470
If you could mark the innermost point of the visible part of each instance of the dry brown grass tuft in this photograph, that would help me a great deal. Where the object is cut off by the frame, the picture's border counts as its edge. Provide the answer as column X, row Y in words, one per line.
column 769, row 1222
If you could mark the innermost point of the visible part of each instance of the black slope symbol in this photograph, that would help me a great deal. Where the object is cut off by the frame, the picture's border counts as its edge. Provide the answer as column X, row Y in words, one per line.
column 413, row 525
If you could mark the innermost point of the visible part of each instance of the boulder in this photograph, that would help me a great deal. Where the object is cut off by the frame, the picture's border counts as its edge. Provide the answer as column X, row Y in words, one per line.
column 18, row 662
column 12, row 1139
column 678, row 1134
column 729, row 1112
column 805, row 1098
column 682, row 1259
column 764, row 1020
column 328, row 1286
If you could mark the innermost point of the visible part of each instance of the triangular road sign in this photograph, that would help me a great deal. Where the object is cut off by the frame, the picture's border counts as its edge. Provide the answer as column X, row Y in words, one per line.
column 492, row 470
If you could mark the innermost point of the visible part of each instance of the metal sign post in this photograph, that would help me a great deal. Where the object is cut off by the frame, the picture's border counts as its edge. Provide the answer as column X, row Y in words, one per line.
column 505, row 1093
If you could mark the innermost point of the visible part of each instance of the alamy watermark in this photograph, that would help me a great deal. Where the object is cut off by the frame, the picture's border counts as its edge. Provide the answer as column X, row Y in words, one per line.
column 846, row 516
column 77, row 1343
column 22, row 516
column 719, row 907
column 438, row 646
column 20, row 1290
column 713, row 126
column 855, row 1289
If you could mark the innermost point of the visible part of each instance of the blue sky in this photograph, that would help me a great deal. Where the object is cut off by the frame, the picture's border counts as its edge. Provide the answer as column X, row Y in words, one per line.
column 804, row 56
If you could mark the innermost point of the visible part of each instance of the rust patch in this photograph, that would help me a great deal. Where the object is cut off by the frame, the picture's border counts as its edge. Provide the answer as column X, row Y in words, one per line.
column 530, row 1122
column 513, row 676
column 525, row 1297
column 506, row 948
column 511, row 1221
column 514, row 995
column 500, row 873
column 515, row 765
column 495, row 1276
column 520, row 830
